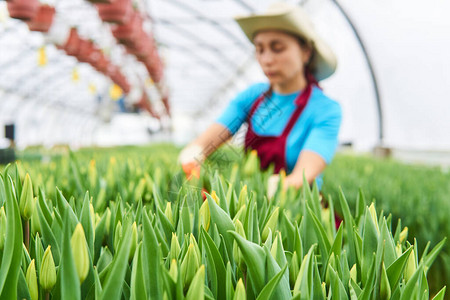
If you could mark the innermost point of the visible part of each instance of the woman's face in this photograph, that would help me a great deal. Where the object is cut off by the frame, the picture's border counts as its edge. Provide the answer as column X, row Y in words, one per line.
column 281, row 57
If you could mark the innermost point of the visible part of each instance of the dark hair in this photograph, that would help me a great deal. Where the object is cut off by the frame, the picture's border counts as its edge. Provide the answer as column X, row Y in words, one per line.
column 309, row 45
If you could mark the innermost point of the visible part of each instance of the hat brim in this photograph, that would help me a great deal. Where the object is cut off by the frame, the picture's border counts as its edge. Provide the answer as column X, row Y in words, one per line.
column 325, row 61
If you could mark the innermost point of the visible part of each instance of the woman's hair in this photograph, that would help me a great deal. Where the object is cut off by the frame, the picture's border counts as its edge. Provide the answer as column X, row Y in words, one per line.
column 309, row 67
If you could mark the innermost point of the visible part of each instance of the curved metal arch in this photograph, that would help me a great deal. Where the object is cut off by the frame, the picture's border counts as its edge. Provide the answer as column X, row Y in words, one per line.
column 216, row 24
column 192, row 36
column 371, row 70
column 231, row 82
column 198, row 58
column 245, row 5
column 39, row 85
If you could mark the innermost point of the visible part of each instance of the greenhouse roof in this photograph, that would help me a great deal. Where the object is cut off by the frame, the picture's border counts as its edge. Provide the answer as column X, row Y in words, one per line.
column 207, row 60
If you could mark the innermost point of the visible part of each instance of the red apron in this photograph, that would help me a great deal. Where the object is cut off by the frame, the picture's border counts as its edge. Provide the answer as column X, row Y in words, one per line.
column 272, row 149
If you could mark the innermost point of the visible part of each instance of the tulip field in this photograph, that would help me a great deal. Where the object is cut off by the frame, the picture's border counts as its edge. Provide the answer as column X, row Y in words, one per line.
column 126, row 223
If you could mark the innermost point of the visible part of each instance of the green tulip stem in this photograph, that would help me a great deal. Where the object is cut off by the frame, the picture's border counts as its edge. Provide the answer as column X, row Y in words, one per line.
column 26, row 233
column 47, row 295
column 245, row 278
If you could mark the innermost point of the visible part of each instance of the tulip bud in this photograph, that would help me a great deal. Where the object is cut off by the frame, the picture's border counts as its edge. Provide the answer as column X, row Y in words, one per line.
column 373, row 214
column 26, row 203
column 215, row 197
column 101, row 199
column 403, row 235
column 139, row 190
column 236, row 251
column 197, row 288
column 108, row 220
column 410, row 267
column 234, row 173
column 168, row 212
column 398, row 249
column 294, row 268
column 205, row 217
column 80, row 252
column 241, row 214
column 117, row 235
column 149, row 183
column 173, row 271
column 31, row 280
column 251, row 165
column 92, row 174
column 274, row 248
column 271, row 223
column 47, row 272
column 174, row 247
column 385, row 288
column 324, row 288
column 189, row 266
column 325, row 215
column 353, row 273
column 97, row 219
column 2, row 227
column 242, row 197
column 110, row 172
column 283, row 195
column 192, row 169
column 332, row 263
column 240, row 294
column 35, row 223
column 92, row 213
column 192, row 241
column 134, row 241
column 282, row 176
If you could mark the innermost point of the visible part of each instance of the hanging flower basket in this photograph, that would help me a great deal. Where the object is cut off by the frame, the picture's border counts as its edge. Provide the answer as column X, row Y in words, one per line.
column 111, row 71
column 101, row 1
column 101, row 64
column 154, row 66
column 72, row 44
column 85, row 51
column 166, row 103
column 129, row 32
column 119, row 11
column 119, row 79
column 126, row 87
column 43, row 18
column 23, row 9
column 145, row 104
column 142, row 48
column 155, row 71
column 96, row 57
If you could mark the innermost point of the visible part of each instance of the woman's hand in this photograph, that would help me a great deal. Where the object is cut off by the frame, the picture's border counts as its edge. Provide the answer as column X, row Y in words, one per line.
column 274, row 182
column 309, row 163
column 191, row 158
column 292, row 181
column 289, row 181
column 193, row 155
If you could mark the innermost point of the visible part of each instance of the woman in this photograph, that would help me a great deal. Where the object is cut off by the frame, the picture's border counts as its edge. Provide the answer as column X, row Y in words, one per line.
column 291, row 123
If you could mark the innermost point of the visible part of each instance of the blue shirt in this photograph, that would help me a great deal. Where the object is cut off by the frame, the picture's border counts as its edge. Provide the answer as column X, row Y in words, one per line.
column 316, row 129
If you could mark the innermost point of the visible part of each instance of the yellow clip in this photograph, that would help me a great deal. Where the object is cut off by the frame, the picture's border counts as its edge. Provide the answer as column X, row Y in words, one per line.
column 115, row 92
column 149, row 82
column 92, row 89
column 42, row 57
column 75, row 75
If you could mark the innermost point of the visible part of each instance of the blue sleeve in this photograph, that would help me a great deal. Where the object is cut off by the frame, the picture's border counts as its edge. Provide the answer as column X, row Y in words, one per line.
column 323, row 138
column 236, row 112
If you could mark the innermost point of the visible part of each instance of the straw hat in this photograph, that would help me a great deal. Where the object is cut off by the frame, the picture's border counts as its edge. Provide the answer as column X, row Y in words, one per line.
column 292, row 19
